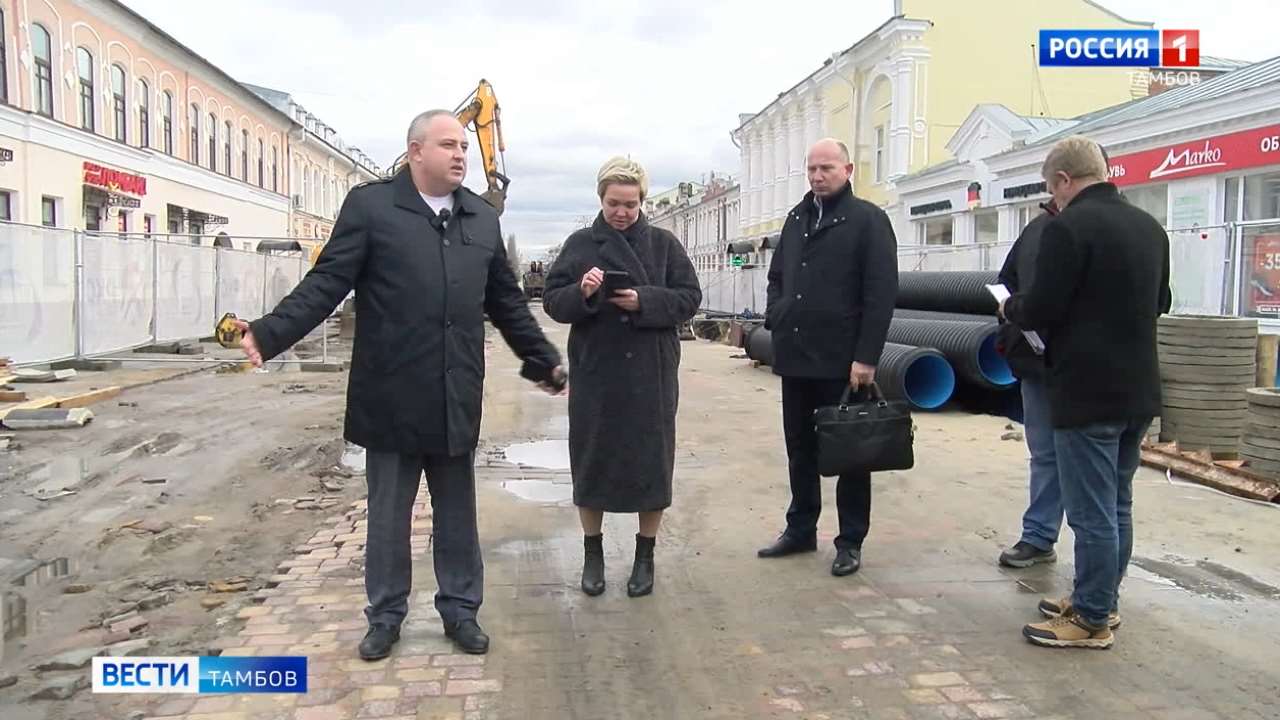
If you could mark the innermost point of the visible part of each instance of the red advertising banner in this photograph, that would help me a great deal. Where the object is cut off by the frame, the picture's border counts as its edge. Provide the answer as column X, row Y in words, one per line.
column 114, row 180
column 1263, row 291
column 1245, row 149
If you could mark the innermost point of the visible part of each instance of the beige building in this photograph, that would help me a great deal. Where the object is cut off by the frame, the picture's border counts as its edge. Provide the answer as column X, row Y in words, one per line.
column 324, row 168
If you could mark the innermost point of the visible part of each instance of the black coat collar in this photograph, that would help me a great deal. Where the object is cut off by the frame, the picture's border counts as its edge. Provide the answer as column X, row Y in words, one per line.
column 407, row 197
column 619, row 252
column 1104, row 191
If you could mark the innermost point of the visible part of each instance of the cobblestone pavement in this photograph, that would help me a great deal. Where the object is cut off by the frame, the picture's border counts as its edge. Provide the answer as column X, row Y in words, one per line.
column 929, row 628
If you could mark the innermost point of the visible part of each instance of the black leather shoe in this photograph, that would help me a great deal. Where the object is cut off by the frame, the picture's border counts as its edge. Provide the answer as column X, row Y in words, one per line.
column 593, row 564
column 468, row 636
column 641, row 582
column 378, row 641
column 847, row 562
column 787, row 545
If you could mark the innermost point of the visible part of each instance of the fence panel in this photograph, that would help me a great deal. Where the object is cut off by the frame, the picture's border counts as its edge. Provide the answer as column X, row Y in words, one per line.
column 117, row 296
column 185, row 290
column 1200, row 270
column 240, row 282
column 37, row 293
column 283, row 273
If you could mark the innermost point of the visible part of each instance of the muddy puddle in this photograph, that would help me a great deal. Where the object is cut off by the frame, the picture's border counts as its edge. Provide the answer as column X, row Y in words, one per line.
column 540, row 491
column 1203, row 577
column 26, row 587
column 549, row 454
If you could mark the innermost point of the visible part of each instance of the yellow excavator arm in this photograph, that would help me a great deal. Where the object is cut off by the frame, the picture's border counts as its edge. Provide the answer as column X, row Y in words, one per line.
column 481, row 114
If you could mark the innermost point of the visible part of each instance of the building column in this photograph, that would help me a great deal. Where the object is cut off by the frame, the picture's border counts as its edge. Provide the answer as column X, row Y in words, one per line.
column 798, row 133
column 769, row 152
column 744, row 162
column 899, row 141
column 780, row 167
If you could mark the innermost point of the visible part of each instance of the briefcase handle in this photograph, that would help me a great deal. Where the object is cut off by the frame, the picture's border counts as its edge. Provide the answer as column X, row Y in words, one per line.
column 873, row 391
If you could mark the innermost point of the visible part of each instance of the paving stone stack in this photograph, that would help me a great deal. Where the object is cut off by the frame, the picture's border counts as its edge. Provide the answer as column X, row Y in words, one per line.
column 1260, row 445
column 1207, row 365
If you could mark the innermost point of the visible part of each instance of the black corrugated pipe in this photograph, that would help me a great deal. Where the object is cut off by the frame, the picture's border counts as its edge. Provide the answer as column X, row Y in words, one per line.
column 970, row 346
column 921, row 376
column 759, row 345
column 932, row 315
column 954, row 292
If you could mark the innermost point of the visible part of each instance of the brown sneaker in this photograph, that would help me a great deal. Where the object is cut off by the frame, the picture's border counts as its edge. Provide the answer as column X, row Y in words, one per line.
column 1057, row 607
column 1068, row 631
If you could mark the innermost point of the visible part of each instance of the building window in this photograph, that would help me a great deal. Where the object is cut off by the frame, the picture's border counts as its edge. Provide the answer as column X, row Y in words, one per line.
column 226, row 150
column 986, row 226
column 937, row 231
column 262, row 160
column 275, row 175
column 6, row 207
column 1154, row 199
column 194, row 122
column 244, row 155
column 92, row 217
column 48, row 211
column 879, row 157
column 4, row 66
column 118, row 106
column 213, row 143
column 144, row 114
column 122, row 223
column 148, row 225
column 1262, row 196
column 84, row 61
column 1231, row 200
column 168, row 122
column 44, row 70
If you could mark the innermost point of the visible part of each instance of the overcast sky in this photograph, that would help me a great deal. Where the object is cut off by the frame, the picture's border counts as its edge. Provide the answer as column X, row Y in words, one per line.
column 578, row 80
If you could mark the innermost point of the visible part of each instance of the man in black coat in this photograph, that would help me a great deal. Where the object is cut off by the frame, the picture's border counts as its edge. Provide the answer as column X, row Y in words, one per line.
column 1101, row 282
column 427, row 262
column 1042, row 520
column 833, row 281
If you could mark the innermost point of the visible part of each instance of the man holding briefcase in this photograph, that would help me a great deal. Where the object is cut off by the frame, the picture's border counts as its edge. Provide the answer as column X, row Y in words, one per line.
column 833, row 281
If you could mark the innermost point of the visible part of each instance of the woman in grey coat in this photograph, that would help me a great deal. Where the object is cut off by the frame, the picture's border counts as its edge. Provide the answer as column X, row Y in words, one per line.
column 624, row 359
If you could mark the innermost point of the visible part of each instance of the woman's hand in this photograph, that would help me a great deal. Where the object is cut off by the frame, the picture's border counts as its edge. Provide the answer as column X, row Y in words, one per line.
column 591, row 282
column 628, row 300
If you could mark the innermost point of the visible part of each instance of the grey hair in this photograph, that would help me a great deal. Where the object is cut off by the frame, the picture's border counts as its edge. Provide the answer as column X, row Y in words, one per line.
column 418, row 127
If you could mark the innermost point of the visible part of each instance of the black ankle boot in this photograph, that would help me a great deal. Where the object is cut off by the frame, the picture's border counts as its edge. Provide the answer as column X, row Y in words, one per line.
column 641, row 582
column 593, row 564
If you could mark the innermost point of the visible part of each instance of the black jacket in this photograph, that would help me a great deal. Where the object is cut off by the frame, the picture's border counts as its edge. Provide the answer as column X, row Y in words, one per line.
column 1101, row 281
column 1017, row 274
column 832, row 284
column 417, row 366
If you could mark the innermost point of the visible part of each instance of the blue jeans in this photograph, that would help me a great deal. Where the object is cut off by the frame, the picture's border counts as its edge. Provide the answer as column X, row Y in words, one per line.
column 1043, row 518
column 1096, row 464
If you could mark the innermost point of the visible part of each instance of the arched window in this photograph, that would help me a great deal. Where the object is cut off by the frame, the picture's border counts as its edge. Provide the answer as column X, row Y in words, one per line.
column 324, row 198
column 168, row 122
column 44, row 70
column 119, row 110
column 193, row 121
column 306, row 190
column 275, row 165
column 244, row 155
column 226, row 149
column 315, row 191
column 213, row 143
column 144, row 114
column 262, row 160
column 4, row 62
column 84, row 63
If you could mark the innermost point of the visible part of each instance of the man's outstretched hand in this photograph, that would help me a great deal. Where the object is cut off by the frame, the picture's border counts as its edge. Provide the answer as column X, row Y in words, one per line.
column 248, row 344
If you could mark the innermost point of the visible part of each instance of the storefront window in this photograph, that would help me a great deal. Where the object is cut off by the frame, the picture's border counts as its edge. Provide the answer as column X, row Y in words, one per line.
column 986, row 226
column 1154, row 199
column 1262, row 196
column 937, row 231
column 1231, row 200
column 1260, row 289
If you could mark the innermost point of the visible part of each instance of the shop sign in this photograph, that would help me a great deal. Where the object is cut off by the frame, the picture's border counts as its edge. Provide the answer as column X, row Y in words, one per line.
column 124, row 201
column 932, row 207
column 1263, row 291
column 1027, row 190
column 114, row 180
column 6, row 155
column 1223, row 153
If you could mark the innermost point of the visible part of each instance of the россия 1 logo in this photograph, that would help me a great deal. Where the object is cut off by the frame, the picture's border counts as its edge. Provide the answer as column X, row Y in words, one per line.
column 1120, row 48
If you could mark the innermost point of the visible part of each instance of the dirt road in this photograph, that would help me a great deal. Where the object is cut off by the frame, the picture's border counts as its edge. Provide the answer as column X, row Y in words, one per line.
column 928, row 629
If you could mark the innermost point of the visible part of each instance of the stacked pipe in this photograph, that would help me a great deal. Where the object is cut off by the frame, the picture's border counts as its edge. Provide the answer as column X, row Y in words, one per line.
column 1260, row 445
column 970, row 346
column 921, row 376
column 1207, row 366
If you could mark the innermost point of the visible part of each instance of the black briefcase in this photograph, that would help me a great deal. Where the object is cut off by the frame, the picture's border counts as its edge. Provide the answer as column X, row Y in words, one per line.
column 865, row 433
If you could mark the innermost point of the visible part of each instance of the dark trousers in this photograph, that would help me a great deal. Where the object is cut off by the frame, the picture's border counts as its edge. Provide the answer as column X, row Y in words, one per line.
column 455, row 544
column 800, row 397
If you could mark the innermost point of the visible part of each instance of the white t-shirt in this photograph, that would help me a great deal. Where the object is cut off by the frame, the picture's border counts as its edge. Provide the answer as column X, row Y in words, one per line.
column 438, row 203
